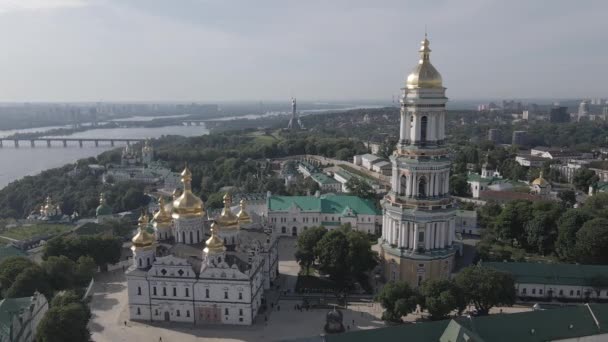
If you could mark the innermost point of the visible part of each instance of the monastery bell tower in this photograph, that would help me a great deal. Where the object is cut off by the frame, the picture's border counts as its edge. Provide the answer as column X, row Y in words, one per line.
column 418, row 214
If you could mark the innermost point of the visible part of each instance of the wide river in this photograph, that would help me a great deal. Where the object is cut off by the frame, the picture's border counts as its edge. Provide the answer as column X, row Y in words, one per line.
column 16, row 163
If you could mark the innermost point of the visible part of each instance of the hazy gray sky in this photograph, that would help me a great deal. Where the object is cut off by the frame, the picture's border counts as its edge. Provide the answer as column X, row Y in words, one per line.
column 152, row 50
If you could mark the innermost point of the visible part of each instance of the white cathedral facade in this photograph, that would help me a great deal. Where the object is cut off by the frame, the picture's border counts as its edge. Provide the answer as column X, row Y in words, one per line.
column 177, row 276
column 419, row 224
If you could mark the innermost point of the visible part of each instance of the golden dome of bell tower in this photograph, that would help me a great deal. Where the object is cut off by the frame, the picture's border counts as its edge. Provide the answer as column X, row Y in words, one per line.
column 187, row 205
column 424, row 74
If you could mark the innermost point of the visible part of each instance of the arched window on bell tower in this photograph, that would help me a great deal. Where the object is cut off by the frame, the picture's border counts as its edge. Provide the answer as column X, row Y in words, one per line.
column 423, row 128
column 422, row 187
column 402, row 185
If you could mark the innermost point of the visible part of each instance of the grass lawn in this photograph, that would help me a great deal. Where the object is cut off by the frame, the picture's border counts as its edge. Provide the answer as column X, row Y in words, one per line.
column 28, row 231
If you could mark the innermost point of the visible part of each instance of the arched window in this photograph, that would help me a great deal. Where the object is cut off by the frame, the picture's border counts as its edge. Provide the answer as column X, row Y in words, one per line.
column 183, row 237
column 283, row 230
column 422, row 187
column 423, row 127
column 139, row 262
column 191, row 237
column 403, row 185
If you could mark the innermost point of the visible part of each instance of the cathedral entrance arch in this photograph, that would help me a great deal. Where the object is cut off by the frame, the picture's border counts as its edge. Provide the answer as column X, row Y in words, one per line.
column 167, row 318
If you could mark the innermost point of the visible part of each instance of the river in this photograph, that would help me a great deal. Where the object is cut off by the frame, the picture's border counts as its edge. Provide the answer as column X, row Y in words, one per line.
column 16, row 163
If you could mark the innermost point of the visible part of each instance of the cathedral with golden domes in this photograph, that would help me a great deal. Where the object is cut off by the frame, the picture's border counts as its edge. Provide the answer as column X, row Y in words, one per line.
column 418, row 235
column 190, row 268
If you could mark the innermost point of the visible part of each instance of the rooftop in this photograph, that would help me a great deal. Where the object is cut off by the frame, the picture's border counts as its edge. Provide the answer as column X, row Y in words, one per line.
column 558, row 274
column 323, row 179
column 327, row 204
column 569, row 322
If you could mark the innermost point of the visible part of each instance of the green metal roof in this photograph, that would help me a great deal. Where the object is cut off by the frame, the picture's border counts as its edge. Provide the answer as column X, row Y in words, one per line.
column 535, row 326
column 326, row 204
column 558, row 274
column 323, row 178
column 8, row 308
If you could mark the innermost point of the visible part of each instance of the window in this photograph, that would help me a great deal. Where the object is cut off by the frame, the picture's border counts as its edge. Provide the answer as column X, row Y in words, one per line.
column 225, row 295
column 139, row 262
column 283, row 230
column 578, row 292
column 156, row 312
column 148, row 261
column 294, row 219
column 177, row 313
column 240, row 319
column 533, row 291
column 423, row 127
column 187, row 292
column 422, row 187
column 572, row 292
column 524, row 290
column 174, row 292
column 138, row 311
column 240, row 312
column 226, row 311
column 240, row 295
column 206, row 293
column 164, row 291
column 187, row 313
column 420, row 236
column 540, row 291
column 154, row 290
column 139, row 291
column 403, row 183
column 561, row 292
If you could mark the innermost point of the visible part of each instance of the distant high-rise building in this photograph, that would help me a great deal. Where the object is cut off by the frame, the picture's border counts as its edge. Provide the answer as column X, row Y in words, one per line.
column 583, row 110
column 494, row 135
column 294, row 122
column 559, row 114
column 519, row 138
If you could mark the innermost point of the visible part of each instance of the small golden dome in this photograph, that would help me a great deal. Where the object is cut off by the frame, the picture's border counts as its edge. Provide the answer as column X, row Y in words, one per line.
column 242, row 216
column 424, row 74
column 48, row 203
column 540, row 181
column 162, row 217
column 214, row 244
column 143, row 239
column 187, row 204
column 227, row 219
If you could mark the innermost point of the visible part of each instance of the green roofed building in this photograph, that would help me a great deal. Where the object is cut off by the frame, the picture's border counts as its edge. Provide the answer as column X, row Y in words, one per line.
column 557, row 281
column 326, row 183
column 583, row 323
column 19, row 317
column 290, row 215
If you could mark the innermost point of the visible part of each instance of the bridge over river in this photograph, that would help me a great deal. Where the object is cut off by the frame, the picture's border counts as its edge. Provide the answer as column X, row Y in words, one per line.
column 64, row 141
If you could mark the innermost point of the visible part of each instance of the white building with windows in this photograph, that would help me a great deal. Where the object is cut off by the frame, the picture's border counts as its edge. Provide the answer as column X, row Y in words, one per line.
column 177, row 277
column 419, row 216
column 291, row 215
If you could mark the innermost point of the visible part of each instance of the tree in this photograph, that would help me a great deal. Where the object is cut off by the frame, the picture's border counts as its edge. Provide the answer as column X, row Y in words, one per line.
column 85, row 269
column 459, row 186
column 361, row 258
column 360, row 188
column 592, row 242
column 332, row 251
column 66, row 298
column 568, row 197
column 511, row 221
column 30, row 280
column 387, row 147
column 307, row 241
column 486, row 287
column 442, row 297
column 398, row 299
column 10, row 268
column 583, row 178
column 104, row 250
column 541, row 233
column 567, row 225
column 65, row 323
column 599, row 282
column 59, row 271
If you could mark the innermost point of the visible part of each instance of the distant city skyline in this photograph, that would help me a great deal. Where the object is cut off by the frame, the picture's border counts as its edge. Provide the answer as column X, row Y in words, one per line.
column 216, row 51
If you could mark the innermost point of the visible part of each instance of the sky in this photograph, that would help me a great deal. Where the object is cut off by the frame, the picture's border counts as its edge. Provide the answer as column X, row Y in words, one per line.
column 230, row 50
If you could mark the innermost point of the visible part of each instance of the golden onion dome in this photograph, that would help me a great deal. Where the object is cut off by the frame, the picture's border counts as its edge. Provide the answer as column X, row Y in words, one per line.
column 424, row 74
column 227, row 218
column 187, row 204
column 143, row 239
column 540, row 181
column 214, row 244
column 176, row 193
column 147, row 147
column 162, row 217
column 48, row 203
column 242, row 215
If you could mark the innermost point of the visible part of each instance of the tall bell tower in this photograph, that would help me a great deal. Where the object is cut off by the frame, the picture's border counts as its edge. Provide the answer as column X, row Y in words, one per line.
column 418, row 228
